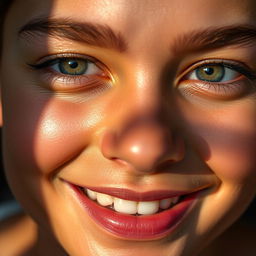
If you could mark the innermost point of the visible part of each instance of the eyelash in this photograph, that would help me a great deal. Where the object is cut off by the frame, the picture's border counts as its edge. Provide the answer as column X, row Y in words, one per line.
column 236, row 66
column 224, row 90
column 72, row 83
column 68, row 82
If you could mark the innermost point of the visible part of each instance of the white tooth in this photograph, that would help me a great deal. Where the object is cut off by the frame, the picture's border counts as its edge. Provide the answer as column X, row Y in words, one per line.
column 91, row 194
column 148, row 207
column 165, row 203
column 104, row 199
column 125, row 206
column 175, row 199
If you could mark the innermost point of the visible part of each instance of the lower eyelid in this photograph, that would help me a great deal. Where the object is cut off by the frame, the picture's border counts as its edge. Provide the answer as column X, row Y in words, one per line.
column 56, row 81
column 219, row 91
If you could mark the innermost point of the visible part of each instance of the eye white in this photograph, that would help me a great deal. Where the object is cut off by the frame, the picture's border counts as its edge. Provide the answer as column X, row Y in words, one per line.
column 91, row 69
column 229, row 74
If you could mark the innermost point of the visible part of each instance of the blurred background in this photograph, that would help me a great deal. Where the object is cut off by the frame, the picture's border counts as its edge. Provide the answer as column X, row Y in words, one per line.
column 8, row 205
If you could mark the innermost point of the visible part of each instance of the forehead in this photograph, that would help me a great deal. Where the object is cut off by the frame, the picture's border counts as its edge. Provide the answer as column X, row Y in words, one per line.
column 143, row 23
column 133, row 14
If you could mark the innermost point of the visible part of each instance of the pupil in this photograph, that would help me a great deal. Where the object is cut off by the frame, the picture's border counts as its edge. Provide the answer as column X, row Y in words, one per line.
column 209, row 71
column 73, row 64
column 213, row 73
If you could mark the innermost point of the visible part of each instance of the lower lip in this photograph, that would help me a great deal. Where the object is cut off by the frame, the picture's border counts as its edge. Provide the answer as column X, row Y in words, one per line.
column 136, row 227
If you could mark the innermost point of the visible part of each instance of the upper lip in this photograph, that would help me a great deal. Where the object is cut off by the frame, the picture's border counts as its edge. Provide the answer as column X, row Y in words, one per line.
column 128, row 194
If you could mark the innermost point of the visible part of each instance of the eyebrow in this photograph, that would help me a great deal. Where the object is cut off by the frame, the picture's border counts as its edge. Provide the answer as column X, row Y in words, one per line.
column 103, row 36
column 86, row 32
column 213, row 38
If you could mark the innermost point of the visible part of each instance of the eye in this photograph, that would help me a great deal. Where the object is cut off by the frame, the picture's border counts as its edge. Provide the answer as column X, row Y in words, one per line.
column 69, row 73
column 222, row 80
column 215, row 73
column 75, row 67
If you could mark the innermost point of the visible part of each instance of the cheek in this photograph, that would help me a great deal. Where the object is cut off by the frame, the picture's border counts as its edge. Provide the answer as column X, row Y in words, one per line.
column 60, row 135
column 234, row 156
column 229, row 137
column 44, row 132
column 63, row 132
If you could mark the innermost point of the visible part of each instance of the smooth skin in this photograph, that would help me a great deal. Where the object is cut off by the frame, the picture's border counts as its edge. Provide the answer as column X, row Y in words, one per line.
column 139, row 119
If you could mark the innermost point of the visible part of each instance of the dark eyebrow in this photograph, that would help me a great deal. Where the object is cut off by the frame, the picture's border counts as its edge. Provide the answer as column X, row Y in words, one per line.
column 86, row 32
column 213, row 38
column 104, row 36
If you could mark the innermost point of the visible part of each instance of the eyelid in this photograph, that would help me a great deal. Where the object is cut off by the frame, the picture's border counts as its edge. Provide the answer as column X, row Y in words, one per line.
column 56, row 81
column 55, row 58
column 243, row 84
column 231, row 64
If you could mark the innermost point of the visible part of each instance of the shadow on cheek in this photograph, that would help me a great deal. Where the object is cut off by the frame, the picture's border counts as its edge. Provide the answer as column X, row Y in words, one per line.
column 230, row 144
column 20, row 126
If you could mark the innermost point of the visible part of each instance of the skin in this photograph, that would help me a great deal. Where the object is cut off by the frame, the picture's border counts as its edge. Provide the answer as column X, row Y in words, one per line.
column 88, row 137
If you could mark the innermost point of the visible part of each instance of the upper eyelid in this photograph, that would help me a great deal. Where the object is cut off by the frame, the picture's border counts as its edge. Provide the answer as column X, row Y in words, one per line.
column 67, row 55
column 55, row 58
column 49, row 63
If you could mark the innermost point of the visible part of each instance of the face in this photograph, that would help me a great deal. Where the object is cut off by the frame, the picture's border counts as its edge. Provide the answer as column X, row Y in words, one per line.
column 129, row 126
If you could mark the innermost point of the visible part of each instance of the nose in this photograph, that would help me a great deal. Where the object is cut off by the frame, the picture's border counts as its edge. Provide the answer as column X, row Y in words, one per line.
column 145, row 148
column 142, row 136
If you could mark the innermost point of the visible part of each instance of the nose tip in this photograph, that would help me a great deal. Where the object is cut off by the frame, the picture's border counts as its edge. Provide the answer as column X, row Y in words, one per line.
column 143, row 148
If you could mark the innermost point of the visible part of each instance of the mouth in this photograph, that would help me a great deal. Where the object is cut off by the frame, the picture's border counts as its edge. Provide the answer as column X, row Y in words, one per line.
column 116, row 202
column 131, row 215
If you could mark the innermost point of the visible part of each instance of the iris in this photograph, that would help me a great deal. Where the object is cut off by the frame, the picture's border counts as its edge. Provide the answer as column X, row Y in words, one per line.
column 73, row 66
column 211, row 73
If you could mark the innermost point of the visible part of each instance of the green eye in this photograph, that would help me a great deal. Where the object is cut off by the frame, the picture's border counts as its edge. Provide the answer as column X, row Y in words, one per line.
column 67, row 74
column 218, row 80
column 72, row 66
column 211, row 73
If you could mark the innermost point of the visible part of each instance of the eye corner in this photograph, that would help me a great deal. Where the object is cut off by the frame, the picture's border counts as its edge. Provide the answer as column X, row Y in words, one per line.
column 232, row 80
column 59, row 74
column 229, row 69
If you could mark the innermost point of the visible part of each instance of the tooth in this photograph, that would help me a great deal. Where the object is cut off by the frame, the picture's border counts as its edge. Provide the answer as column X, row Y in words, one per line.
column 165, row 203
column 125, row 206
column 148, row 207
column 91, row 194
column 175, row 199
column 104, row 199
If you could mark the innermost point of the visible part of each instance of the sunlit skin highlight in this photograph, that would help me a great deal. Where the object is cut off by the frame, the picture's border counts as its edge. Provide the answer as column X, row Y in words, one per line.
column 140, row 120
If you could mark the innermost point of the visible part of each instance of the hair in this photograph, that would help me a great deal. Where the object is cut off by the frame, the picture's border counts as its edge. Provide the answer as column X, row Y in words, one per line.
column 4, row 6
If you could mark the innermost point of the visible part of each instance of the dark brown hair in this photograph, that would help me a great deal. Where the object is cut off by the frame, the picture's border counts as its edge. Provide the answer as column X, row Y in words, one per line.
column 4, row 6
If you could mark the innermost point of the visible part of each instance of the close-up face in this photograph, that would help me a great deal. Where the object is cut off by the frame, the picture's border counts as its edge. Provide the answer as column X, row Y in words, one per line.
column 129, row 126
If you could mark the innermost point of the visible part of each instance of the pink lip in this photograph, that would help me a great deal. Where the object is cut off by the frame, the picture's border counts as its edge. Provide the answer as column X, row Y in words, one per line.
column 136, row 227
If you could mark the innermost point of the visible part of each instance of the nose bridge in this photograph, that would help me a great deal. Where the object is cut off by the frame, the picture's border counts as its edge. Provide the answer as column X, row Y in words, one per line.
column 143, row 102
column 143, row 116
column 141, row 129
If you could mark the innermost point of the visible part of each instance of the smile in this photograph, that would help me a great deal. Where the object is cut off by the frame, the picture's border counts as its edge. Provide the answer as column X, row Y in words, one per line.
column 146, row 219
column 129, row 206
